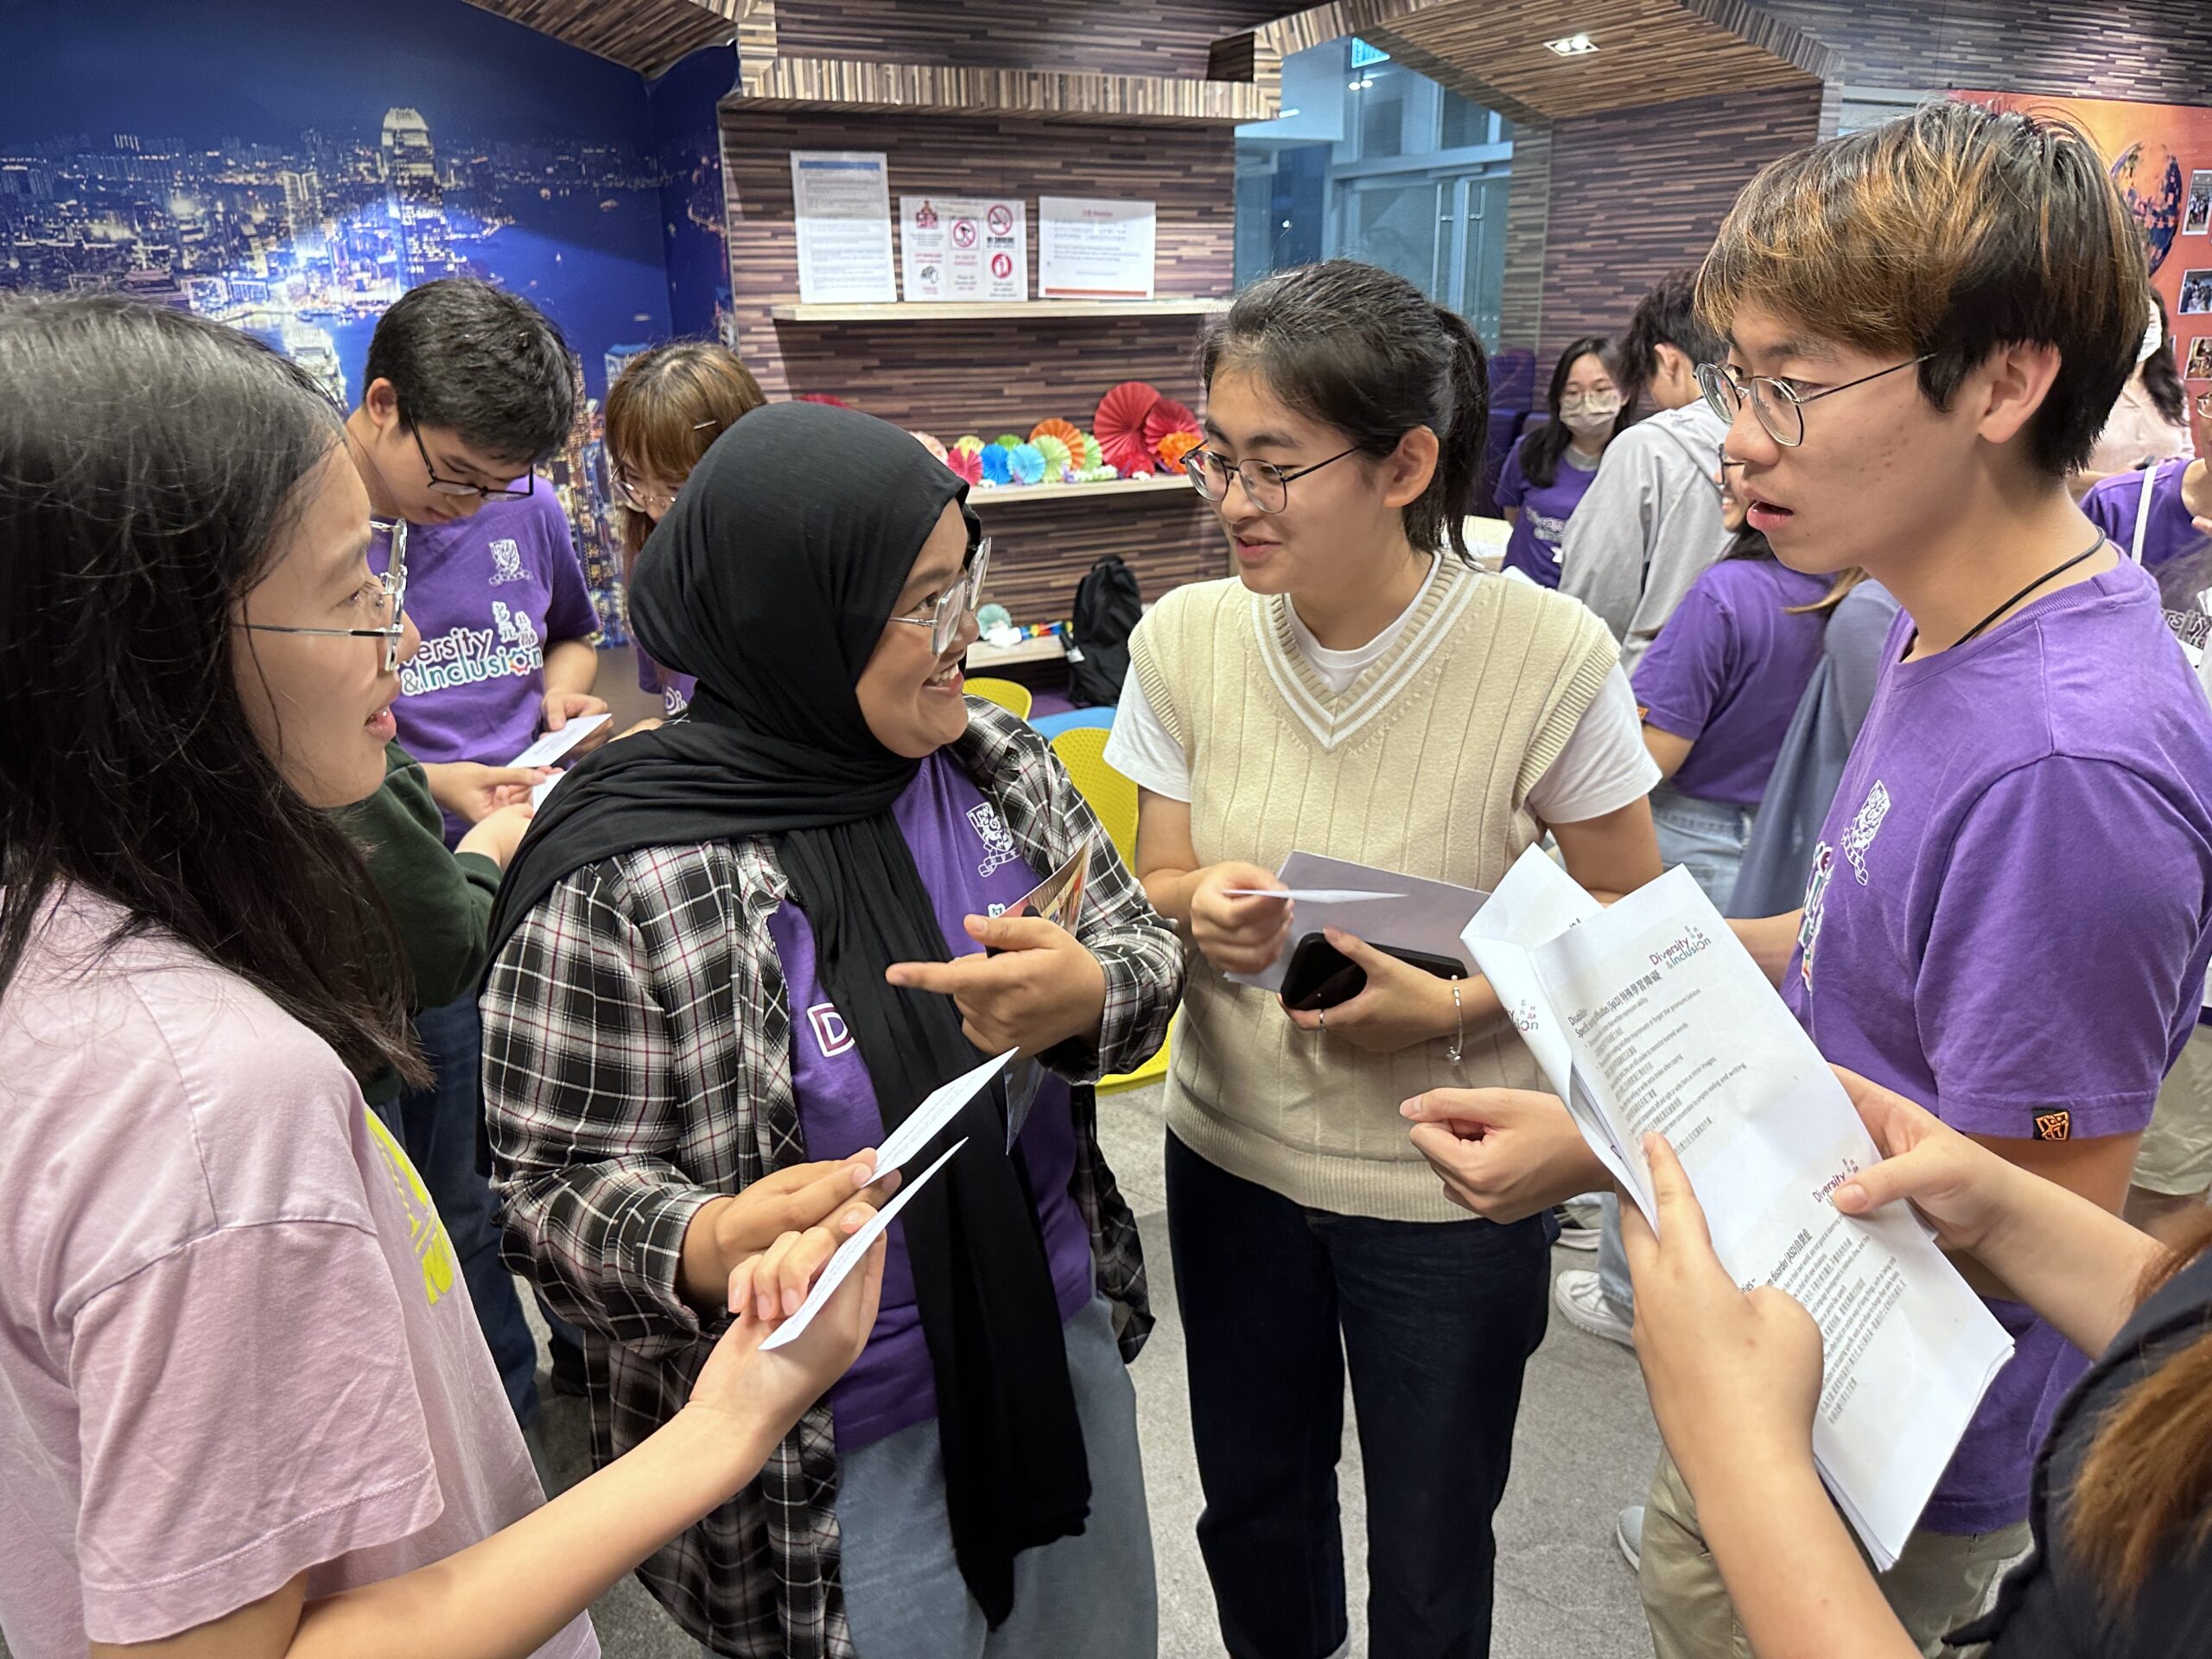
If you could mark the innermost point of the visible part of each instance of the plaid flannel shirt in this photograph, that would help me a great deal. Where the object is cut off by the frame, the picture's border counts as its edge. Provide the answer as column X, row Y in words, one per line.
column 638, row 1063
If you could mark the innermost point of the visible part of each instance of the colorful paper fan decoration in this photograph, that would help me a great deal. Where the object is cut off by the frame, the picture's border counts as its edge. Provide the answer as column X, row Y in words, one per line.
column 1167, row 417
column 1172, row 448
column 1056, row 452
column 1026, row 462
column 968, row 463
column 1066, row 431
column 1101, row 473
column 992, row 460
column 1120, row 425
column 930, row 444
column 1008, row 440
column 968, row 445
column 1087, row 455
column 822, row 398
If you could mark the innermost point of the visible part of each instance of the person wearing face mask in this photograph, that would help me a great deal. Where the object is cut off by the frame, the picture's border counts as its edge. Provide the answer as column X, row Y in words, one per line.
column 737, row 949
column 1360, row 692
column 663, row 410
column 1548, row 471
column 1650, row 520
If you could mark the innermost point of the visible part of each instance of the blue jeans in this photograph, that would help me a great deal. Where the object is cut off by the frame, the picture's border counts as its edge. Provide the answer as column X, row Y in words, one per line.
column 1708, row 836
column 1088, row 1596
column 1437, row 1320
column 438, row 1126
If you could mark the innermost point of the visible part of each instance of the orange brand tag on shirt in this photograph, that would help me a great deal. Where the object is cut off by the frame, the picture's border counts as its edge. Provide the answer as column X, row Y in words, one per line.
column 2054, row 1126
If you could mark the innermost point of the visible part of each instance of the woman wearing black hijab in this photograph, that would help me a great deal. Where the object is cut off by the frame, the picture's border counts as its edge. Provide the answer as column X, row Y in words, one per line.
column 720, row 975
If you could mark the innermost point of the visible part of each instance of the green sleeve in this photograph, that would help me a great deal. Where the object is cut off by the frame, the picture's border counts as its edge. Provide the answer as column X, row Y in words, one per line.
column 441, row 900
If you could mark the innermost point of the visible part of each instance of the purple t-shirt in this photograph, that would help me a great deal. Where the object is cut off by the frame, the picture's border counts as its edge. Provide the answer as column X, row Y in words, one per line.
column 1727, row 671
column 1533, row 548
column 967, row 864
column 2114, row 505
column 488, row 593
column 674, row 689
column 2007, row 915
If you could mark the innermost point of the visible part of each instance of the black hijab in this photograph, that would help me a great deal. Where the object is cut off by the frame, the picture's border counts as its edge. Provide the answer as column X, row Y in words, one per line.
column 771, row 579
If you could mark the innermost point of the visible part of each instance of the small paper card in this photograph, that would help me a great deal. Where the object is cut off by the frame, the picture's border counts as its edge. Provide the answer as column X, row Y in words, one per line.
column 840, row 1266
column 553, row 745
column 938, row 1108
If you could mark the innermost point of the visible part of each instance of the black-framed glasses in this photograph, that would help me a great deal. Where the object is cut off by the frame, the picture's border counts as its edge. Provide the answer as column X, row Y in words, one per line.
column 454, row 486
column 391, row 601
column 955, row 604
column 1266, row 484
column 1779, row 405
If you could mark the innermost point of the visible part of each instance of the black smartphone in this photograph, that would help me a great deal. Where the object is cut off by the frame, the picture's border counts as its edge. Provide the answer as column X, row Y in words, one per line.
column 1320, row 975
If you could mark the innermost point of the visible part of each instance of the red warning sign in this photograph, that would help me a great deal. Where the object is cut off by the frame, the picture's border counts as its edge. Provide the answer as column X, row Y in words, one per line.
column 1001, row 266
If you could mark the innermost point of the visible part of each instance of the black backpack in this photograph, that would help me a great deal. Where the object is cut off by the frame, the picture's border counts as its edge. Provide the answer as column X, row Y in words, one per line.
column 1106, row 606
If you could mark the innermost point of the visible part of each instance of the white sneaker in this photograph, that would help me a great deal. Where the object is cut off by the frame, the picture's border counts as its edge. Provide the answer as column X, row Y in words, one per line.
column 1628, row 1533
column 1582, row 1297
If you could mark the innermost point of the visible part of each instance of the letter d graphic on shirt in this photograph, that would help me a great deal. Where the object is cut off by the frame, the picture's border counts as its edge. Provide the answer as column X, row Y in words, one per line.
column 829, row 1034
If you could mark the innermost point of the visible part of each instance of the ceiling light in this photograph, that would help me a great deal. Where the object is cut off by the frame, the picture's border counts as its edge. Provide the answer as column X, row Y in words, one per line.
column 1573, row 46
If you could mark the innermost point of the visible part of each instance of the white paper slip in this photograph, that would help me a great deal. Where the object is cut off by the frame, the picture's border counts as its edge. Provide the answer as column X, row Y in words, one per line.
column 840, row 1266
column 1409, row 911
column 1312, row 895
column 553, row 745
column 539, row 791
column 1667, row 1024
column 938, row 1108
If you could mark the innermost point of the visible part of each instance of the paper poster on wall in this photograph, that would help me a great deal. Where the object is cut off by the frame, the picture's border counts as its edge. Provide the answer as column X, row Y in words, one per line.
column 962, row 248
column 2198, row 214
column 1090, row 250
column 842, row 202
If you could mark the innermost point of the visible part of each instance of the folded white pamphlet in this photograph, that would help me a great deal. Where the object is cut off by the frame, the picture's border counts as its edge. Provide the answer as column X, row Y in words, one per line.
column 1381, row 906
column 1312, row 895
column 552, row 745
column 1650, row 1015
column 836, row 1270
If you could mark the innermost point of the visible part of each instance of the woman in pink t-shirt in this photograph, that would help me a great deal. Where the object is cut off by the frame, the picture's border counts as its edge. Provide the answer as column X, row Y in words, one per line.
column 252, row 1413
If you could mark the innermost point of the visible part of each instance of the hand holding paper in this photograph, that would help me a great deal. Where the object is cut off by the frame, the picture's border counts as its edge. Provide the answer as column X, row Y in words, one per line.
column 1409, row 913
column 552, row 745
column 849, row 1254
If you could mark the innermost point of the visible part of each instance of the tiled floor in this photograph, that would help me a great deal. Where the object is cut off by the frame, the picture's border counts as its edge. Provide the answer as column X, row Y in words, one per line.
column 1585, row 1447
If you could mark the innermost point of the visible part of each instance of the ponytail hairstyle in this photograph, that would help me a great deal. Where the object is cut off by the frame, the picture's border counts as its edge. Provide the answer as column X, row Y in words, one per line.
column 1541, row 448
column 1361, row 349
column 2145, row 1489
column 152, row 466
column 2160, row 378
column 663, row 411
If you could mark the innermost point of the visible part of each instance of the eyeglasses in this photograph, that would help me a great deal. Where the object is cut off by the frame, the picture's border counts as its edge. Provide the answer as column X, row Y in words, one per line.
column 1268, row 485
column 955, row 604
column 454, row 486
column 654, row 504
column 1779, row 405
column 390, row 601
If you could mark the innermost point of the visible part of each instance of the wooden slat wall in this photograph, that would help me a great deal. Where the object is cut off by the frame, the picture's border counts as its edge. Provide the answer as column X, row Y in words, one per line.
column 1636, row 192
column 987, row 378
column 1528, row 219
column 2156, row 51
column 1131, row 37
column 647, row 35
column 786, row 84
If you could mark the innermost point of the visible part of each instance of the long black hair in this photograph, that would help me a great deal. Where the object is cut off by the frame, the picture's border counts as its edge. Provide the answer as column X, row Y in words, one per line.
column 1361, row 349
column 1541, row 448
column 151, row 463
column 2160, row 378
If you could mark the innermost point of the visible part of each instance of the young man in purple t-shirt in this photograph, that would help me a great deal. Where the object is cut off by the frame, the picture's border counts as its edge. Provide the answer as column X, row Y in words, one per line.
column 2010, row 910
column 468, row 388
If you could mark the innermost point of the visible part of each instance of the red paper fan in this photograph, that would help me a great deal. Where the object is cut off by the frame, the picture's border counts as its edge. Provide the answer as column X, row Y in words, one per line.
column 968, row 463
column 1066, row 431
column 1120, row 426
column 1166, row 418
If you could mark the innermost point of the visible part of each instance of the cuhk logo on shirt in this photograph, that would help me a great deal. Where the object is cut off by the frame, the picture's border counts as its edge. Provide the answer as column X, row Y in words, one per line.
column 831, row 1035
column 998, row 841
column 506, row 562
column 1860, row 835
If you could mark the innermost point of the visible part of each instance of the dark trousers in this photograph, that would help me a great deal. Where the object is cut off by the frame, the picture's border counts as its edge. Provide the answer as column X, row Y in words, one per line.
column 438, row 1126
column 1437, row 1320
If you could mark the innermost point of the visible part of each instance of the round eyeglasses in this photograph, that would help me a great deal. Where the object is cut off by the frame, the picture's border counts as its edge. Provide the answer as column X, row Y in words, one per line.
column 390, row 604
column 1268, row 485
column 1779, row 405
column 955, row 604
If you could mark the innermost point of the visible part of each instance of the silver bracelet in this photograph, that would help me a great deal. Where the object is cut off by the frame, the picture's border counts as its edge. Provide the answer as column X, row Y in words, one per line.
column 1459, row 1014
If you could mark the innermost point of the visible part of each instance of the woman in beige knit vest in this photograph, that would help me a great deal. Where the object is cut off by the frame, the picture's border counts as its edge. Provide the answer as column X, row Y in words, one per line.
column 1358, row 691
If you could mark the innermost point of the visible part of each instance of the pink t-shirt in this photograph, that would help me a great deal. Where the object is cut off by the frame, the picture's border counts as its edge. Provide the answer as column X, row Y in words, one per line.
column 233, row 1344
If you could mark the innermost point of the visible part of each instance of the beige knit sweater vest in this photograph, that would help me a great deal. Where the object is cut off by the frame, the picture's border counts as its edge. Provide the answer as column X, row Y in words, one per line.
column 1422, row 766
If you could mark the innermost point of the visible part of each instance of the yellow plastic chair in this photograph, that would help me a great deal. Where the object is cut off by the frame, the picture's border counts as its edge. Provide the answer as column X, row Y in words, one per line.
column 1112, row 796
column 1009, row 695
column 1114, row 799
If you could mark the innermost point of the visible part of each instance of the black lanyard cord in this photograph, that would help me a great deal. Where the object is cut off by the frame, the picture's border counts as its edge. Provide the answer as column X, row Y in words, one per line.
column 2056, row 571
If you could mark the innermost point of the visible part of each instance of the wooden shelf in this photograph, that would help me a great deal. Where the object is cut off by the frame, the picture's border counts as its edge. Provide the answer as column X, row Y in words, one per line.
column 994, row 495
column 997, row 310
column 774, row 83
